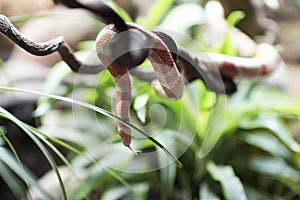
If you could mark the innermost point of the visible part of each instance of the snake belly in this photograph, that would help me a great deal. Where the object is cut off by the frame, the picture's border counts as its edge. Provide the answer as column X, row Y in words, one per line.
column 169, row 82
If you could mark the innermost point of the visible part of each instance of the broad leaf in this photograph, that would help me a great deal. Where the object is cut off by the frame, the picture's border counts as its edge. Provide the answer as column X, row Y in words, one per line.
column 231, row 185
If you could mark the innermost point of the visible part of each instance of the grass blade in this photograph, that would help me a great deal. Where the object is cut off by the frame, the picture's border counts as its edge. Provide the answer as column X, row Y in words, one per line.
column 14, row 152
column 101, row 111
column 7, row 159
column 12, row 181
column 206, row 193
column 39, row 144
column 231, row 185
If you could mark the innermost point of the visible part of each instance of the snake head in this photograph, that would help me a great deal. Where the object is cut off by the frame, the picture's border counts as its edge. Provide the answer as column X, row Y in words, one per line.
column 129, row 48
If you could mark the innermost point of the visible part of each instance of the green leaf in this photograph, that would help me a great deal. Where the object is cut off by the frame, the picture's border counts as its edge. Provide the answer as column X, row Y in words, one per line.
column 183, row 17
column 186, row 184
column 267, row 143
column 23, row 173
column 89, row 183
column 235, row 17
column 56, row 75
column 256, row 193
column 43, row 137
column 140, row 106
column 99, row 110
column 274, row 124
column 277, row 169
column 119, row 10
column 228, row 47
column 206, row 193
column 252, row 99
column 168, row 171
column 115, row 193
column 140, row 191
column 273, row 166
column 14, row 152
column 215, row 128
column 86, row 46
column 231, row 185
column 43, row 149
column 14, row 183
column 25, row 18
column 156, row 13
column 1, row 63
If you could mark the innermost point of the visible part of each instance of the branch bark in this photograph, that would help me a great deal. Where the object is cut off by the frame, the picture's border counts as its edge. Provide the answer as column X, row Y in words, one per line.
column 42, row 49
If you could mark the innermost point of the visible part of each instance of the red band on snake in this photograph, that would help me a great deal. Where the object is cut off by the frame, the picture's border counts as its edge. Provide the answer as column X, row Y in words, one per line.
column 169, row 80
column 263, row 63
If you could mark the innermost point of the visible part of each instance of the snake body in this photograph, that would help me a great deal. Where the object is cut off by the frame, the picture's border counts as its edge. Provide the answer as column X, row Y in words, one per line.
column 168, row 76
column 263, row 63
column 168, row 81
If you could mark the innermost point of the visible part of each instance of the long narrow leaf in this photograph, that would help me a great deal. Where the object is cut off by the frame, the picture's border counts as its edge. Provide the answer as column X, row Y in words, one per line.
column 277, row 169
column 268, row 143
column 167, row 172
column 6, row 158
column 90, row 183
column 41, row 135
column 86, row 186
column 276, row 125
column 231, row 185
column 101, row 111
column 215, row 129
column 14, row 152
column 25, row 18
column 56, row 75
column 39, row 144
column 12, row 181
column 206, row 193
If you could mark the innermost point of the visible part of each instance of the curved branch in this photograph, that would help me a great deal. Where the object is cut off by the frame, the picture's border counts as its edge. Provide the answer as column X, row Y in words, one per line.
column 39, row 49
column 46, row 48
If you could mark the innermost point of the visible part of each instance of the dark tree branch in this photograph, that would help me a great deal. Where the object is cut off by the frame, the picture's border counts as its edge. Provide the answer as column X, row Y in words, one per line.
column 39, row 49
column 46, row 48
column 255, row 24
column 188, row 66
column 76, row 65
column 108, row 15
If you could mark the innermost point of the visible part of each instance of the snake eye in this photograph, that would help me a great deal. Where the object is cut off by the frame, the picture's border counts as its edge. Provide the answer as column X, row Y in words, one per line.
column 129, row 48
